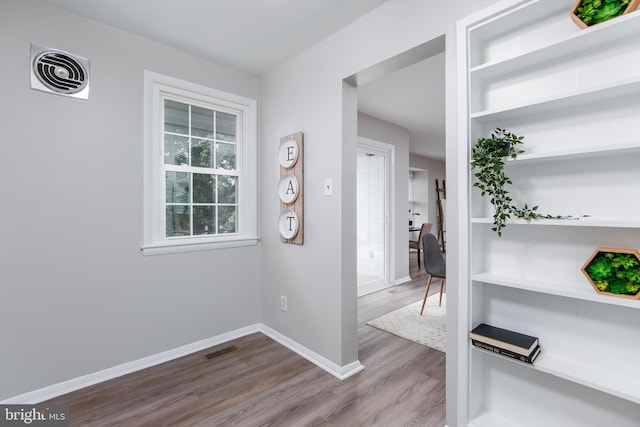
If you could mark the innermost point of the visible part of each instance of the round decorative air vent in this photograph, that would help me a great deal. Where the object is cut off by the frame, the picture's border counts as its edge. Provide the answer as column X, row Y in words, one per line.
column 59, row 72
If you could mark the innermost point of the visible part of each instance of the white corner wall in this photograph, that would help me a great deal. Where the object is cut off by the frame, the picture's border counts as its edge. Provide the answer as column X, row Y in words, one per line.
column 437, row 171
column 307, row 93
column 77, row 294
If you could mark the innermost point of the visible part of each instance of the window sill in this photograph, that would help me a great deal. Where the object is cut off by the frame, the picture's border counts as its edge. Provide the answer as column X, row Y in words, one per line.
column 178, row 246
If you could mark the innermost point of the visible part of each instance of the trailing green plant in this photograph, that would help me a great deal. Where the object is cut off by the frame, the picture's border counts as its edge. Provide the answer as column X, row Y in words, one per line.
column 488, row 156
column 595, row 11
column 618, row 273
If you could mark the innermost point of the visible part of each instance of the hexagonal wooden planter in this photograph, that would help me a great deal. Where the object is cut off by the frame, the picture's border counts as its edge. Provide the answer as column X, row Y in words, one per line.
column 614, row 271
column 633, row 5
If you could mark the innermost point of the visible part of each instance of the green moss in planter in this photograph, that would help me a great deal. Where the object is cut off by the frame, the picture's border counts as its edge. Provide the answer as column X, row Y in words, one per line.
column 595, row 11
column 614, row 271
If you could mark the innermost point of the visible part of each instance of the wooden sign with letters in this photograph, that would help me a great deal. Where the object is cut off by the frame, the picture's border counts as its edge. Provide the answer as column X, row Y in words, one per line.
column 291, row 188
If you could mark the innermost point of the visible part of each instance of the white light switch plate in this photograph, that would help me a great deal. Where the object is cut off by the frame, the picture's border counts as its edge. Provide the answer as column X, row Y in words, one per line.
column 328, row 187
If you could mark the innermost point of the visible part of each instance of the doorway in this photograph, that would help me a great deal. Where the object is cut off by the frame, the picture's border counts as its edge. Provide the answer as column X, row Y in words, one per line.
column 374, row 177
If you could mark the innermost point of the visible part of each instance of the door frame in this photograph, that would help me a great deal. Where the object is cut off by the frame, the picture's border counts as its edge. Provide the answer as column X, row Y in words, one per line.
column 388, row 152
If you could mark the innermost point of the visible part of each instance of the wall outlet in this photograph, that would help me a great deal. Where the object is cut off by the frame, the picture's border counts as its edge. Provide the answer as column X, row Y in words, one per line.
column 283, row 303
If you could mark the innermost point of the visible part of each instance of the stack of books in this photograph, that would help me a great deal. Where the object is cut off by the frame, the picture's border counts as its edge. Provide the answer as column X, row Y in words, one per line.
column 507, row 343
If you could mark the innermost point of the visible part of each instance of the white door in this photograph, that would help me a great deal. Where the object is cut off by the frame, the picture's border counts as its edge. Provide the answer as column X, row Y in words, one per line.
column 373, row 195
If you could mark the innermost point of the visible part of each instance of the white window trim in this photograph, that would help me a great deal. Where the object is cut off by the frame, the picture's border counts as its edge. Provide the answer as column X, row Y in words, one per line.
column 155, row 241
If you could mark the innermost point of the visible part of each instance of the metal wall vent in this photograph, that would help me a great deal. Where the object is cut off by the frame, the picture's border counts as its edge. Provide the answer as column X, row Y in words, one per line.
column 59, row 72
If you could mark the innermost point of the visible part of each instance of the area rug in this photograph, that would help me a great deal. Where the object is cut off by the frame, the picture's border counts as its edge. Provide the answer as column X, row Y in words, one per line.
column 430, row 329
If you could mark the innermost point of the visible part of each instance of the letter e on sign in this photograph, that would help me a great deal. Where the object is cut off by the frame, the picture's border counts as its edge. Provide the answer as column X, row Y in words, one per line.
column 288, row 153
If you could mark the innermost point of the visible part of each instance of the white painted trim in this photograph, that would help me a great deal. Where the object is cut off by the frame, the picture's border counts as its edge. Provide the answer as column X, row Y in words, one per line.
column 49, row 392
column 154, row 239
column 370, row 288
column 340, row 372
column 178, row 246
column 402, row 280
column 379, row 286
column 65, row 387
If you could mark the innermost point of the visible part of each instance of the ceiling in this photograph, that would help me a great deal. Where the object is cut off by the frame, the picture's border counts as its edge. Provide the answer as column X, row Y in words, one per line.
column 412, row 98
column 256, row 35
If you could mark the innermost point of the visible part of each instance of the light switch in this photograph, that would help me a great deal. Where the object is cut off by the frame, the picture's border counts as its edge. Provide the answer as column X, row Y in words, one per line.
column 328, row 187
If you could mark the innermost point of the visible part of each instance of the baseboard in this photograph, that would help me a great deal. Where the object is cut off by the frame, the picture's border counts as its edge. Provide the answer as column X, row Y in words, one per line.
column 340, row 372
column 402, row 280
column 49, row 392
column 65, row 387
column 372, row 287
column 378, row 286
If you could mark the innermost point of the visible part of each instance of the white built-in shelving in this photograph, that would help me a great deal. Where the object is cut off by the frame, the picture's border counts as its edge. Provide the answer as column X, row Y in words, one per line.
column 576, row 290
column 566, row 100
column 575, row 96
column 574, row 222
column 619, row 149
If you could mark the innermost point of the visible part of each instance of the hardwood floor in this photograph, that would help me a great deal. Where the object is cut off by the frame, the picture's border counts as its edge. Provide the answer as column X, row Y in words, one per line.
column 264, row 384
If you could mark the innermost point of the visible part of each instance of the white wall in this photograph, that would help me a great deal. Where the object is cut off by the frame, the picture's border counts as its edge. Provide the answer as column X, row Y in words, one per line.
column 436, row 170
column 379, row 130
column 308, row 93
column 418, row 196
column 77, row 295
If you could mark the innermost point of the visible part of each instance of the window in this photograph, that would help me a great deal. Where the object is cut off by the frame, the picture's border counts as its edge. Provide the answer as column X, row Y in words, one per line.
column 201, row 173
column 200, row 167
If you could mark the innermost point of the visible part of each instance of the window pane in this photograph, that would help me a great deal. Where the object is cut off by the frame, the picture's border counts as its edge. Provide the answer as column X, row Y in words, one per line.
column 203, row 188
column 227, row 189
column 177, row 187
column 176, row 150
column 201, row 153
column 201, row 122
column 226, row 156
column 204, row 220
column 176, row 117
column 227, row 219
column 226, row 126
column 178, row 220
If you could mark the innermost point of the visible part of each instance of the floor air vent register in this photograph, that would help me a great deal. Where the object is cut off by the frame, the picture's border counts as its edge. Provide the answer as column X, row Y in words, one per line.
column 59, row 72
column 221, row 352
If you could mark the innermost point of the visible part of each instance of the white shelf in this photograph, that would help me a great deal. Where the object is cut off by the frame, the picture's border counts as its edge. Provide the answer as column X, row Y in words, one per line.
column 521, row 14
column 577, row 222
column 581, row 291
column 513, row 21
column 624, row 387
column 574, row 93
column 624, row 148
column 595, row 37
column 568, row 100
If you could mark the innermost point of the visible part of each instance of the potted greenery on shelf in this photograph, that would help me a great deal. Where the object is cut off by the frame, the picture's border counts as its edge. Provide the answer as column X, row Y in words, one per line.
column 590, row 12
column 488, row 157
column 614, row 272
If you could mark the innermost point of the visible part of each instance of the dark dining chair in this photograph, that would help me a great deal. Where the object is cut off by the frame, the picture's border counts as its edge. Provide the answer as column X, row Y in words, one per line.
column 417, row 244
column 434, row 264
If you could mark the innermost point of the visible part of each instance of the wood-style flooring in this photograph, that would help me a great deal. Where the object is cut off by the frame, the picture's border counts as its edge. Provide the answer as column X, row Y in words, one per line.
column 263, row 383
